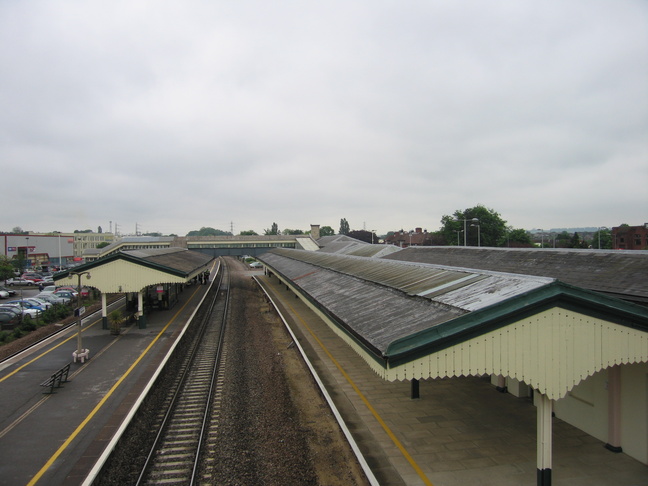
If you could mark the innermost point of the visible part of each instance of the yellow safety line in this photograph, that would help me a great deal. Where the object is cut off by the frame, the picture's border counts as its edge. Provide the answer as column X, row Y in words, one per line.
column 373, row 411
column 80, row 427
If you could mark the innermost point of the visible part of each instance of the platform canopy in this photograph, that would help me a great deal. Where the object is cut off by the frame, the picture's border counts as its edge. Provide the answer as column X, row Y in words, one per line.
column 416, row 320
column 133, row 271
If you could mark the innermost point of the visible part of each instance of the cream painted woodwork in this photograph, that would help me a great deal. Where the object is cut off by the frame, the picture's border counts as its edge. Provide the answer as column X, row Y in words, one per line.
column 124, row 276
column 551, row 351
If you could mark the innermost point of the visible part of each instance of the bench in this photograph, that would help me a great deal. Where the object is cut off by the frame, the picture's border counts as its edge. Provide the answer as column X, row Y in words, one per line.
column 54, row 381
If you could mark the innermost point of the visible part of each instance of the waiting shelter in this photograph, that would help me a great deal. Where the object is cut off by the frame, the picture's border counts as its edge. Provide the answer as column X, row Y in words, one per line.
column 152, row 276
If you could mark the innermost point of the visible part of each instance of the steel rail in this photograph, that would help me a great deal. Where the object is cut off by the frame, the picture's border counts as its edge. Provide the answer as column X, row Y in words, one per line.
column 180, row 416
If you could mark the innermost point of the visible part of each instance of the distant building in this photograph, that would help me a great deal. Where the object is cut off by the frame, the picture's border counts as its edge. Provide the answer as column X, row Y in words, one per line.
column 630, row 237
column 404, row 239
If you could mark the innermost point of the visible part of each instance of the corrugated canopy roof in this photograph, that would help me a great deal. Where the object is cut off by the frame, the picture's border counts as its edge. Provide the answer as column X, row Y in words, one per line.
column 382, row 301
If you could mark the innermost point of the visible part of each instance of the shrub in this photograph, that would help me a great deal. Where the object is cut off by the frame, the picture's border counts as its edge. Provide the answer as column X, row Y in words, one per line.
column 28, row 326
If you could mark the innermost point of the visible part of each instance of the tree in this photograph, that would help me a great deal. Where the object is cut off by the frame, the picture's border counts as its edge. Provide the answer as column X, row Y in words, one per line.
column 518, row 238
column 17, row 230
column 206, row 231
column 248, row 233
column 577, row 242
column 363, row 235
column 326, row 231
column 288, row 231
column 103, row 244
column 99, row 230
column 274, row 230
column 603, row 235
column 489, row 230
column 6, row 268
column 344, row 227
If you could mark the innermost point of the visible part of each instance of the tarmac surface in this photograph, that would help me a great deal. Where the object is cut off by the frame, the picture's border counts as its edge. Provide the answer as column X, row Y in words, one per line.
column 459, row 432
column 55, row 439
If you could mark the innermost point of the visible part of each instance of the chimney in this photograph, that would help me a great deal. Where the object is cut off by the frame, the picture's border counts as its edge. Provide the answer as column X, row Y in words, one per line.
column 315, row 231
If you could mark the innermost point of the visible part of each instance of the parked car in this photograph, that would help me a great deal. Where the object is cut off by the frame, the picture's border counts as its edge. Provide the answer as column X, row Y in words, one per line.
column 27, row 313
column 16, row 309
column 66, row 294
column 32, row 275
column 19, row 281
column 51, row 298
column 9, row 319
column 48, row 289
column 8, row 290
column 4, row 294
column 25, row 304
column 39, row 302
column 66, row 288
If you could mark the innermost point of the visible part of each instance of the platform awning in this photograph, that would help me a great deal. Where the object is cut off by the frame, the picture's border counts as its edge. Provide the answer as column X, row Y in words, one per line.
column 414, row 320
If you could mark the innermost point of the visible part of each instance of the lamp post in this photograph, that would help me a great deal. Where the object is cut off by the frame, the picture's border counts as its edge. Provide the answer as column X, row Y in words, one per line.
column 473, row 221
column 458, row 233
column 80, row 353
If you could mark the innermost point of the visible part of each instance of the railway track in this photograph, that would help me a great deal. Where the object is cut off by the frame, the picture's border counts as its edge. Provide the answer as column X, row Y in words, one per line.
column 184, row 420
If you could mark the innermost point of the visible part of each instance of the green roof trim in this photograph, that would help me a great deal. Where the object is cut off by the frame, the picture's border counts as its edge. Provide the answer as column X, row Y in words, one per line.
column 556, row 294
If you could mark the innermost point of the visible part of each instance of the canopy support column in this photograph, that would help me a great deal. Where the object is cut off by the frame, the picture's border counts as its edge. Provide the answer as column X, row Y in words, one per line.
column 544, row 441
column 140, row 310
column 104, row 311
column 614, row 409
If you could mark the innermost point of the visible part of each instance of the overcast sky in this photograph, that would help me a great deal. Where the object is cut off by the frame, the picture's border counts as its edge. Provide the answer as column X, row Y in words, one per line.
column 177, row 115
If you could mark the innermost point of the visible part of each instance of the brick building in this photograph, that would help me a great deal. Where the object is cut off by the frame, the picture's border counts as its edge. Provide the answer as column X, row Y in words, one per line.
column 630, row 237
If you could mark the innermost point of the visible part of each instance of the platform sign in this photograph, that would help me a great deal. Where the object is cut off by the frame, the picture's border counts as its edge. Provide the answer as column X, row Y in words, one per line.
column 79, row 311
column 159, row 289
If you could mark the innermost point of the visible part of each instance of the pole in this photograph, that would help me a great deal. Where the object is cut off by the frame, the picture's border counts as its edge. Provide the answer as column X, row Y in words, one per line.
column 465, row 232
column 79, row 346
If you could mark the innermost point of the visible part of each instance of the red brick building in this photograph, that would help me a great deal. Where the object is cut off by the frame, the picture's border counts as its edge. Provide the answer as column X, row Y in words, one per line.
column 630, row 237
column 404, row 239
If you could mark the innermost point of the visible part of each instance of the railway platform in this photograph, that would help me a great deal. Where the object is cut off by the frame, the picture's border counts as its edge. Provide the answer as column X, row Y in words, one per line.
column 461, row 431
column 56, row 438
